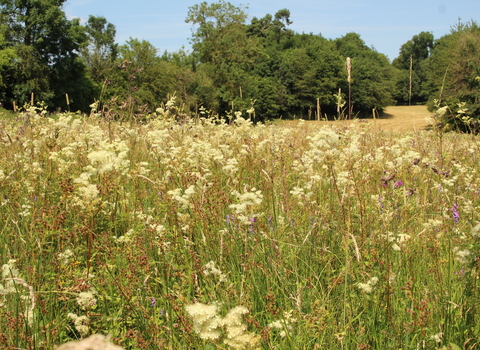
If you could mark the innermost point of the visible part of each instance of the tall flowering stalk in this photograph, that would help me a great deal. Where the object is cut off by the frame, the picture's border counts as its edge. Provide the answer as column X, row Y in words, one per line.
column 349, row 80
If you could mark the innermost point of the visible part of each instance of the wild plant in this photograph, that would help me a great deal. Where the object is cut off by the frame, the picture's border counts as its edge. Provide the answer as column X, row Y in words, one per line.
column 206, row 234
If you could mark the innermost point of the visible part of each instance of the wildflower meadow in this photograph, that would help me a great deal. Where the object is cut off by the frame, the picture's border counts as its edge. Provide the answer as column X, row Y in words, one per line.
column 218, row 233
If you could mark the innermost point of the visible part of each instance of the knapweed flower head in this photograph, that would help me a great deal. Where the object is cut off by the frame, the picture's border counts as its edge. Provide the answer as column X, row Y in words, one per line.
column 398, row 184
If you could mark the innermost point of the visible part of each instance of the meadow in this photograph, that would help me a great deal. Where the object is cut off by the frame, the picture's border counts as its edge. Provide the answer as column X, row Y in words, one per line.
column 220, row 234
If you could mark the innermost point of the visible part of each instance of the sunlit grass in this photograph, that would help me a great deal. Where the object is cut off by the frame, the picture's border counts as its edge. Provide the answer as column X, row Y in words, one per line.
column 208, row 235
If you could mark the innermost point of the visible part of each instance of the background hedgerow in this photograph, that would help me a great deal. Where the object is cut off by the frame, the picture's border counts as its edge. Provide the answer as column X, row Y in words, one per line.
column 204, row 234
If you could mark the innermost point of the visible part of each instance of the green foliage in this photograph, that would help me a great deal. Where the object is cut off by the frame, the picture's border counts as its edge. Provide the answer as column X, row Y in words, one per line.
column 372, row 84
column 46, row 45
column 452, row 77
column 227, row 51
column 100, row 52
column 235, row 66
column 411, row 61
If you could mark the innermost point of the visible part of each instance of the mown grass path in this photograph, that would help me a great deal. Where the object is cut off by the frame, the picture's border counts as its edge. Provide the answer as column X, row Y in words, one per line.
column 395, row 118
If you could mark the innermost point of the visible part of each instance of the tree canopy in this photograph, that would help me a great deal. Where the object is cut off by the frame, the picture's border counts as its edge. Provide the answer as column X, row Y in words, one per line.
column 235, row 64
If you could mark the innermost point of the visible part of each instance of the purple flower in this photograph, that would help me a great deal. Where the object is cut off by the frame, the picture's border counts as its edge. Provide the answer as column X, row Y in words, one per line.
column 398, row 184
column 252, row 220
column 380, row 201
column 153, row 300
column 456, row 214
column 229, row 219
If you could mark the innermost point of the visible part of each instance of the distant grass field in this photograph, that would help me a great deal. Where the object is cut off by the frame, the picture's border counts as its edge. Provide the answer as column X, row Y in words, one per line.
column 395, row 118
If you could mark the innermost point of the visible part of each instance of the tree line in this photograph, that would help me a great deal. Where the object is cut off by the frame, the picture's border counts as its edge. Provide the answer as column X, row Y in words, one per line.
column 259, row 65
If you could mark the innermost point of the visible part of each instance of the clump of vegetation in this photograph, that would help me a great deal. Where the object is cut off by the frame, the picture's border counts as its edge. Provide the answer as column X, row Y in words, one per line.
column 202, row 233
column 454, row 78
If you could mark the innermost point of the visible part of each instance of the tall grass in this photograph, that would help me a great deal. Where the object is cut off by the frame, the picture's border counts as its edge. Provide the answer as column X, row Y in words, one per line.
column 205, row 235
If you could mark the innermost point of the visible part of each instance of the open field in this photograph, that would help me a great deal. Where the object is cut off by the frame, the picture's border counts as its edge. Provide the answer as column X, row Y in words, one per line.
column 395, row 118
column 203, row 235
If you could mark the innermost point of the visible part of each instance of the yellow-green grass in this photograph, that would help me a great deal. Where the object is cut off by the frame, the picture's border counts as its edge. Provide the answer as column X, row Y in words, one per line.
column 394, row 118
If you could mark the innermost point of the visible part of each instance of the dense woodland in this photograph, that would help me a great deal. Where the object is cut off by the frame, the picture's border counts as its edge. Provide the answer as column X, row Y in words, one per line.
column 234, row 64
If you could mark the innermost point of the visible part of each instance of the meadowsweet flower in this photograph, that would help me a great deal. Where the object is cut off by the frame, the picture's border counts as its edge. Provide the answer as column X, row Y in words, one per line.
column 462, row 256
column 476, row 230
column 437, row 338
column 65, row 256
column 206, row 322
column 183, row 196
column 236, row 331
column 95, row 341
column 368, row 287
column 208, row 325
column 87, row 300
column 284, row 324
column 211, row 269
column 11, row 277
column 126, row 238
column 246, row 202
column 81, row 324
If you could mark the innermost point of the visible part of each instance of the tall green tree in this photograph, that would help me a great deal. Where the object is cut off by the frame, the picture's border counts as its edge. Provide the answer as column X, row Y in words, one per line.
column 373, row 77
column 47, row 45
column 226, row 51
column 410, row 68
column 453, row 71
column 142, row 81
column 7, row 54
column 100, row 51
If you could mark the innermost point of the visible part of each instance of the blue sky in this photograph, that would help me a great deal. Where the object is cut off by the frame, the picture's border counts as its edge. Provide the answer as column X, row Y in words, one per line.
column 382, row 24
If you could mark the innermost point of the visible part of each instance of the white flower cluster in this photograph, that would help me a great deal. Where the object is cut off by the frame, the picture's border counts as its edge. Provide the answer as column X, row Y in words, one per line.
column 247, row 201
column 87, row 300
column 368, row 287
column 284, row 325
column 65, row 256
column 211, row 269
column 462, row 256
column 11, row 277
column 81, row 324
column 209, row 325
